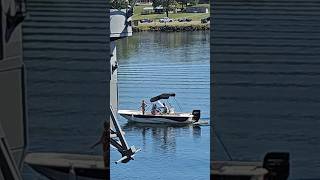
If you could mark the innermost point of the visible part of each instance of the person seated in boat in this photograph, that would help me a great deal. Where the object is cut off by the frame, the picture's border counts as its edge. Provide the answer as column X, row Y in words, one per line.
column 154, row 109
column 164, row 109
column 161, row 108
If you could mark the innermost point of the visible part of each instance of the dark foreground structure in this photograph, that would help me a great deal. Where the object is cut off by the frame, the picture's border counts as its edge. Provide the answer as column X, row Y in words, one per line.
column 65, row 46
column 265, row 74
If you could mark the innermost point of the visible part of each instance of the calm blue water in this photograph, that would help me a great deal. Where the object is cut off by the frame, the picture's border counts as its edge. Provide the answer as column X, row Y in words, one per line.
column 150, row 64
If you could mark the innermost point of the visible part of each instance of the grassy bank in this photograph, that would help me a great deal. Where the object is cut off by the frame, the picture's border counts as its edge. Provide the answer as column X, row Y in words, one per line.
column 194, row 16
column 194, row 25
column 174, row 26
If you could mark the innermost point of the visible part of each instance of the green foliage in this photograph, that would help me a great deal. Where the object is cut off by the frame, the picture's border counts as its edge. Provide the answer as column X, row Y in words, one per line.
column 172, row 27
column 193, row 2
column 168, row 5
column 184, row 3
column 156, row 3
column 120, row 4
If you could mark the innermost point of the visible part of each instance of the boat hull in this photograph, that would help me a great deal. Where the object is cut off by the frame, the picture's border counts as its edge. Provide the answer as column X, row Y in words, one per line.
column 133, row 116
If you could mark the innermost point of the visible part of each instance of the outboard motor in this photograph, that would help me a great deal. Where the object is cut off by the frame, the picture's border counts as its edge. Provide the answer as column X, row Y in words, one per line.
column 196, row 115
column 277, row 163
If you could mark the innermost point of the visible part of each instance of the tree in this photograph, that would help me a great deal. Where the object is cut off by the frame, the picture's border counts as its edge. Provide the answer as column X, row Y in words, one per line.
column 184, row 3
column 168, row 5
column 121, row 4
column 156, row 3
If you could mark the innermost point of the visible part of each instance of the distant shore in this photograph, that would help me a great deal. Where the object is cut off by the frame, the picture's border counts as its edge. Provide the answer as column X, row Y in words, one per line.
column 172, row 26
column 194, row 25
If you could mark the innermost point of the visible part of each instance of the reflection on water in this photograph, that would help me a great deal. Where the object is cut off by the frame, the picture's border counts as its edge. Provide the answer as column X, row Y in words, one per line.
column 196, row 131
column 164, row 136
column 156, row 43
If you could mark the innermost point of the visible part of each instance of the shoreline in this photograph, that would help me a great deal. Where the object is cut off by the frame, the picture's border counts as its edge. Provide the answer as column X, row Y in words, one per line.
column 171, row 27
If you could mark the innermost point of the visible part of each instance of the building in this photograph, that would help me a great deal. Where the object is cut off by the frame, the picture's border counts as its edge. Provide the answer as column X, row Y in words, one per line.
column 159, row 10
column 147, row 10
column 197, row 10
column 144, row 2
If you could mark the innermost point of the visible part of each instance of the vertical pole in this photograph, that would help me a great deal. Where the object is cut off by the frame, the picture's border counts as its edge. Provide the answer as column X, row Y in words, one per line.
column 118, row 130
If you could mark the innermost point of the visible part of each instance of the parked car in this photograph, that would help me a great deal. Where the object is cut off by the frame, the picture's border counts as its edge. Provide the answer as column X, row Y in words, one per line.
column 165, row 19
column 185, row 20
column 146, row 21
column 205, row 20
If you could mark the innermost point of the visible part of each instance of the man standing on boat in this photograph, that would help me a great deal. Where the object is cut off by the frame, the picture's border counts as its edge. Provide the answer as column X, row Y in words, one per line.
column 143, row 107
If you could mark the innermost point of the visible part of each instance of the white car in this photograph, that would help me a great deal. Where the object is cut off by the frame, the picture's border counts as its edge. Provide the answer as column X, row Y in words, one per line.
column 165, row 19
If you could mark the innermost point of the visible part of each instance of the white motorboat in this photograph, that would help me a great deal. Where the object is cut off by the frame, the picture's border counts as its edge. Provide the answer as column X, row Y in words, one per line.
column 164, row 114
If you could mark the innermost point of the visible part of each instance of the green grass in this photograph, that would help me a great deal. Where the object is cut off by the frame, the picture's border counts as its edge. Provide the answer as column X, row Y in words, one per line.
column 172, row 24
column 203, row 5
column 194, row 16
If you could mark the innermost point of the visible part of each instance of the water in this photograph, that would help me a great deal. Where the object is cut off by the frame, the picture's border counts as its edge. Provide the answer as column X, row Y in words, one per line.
column 150, row 64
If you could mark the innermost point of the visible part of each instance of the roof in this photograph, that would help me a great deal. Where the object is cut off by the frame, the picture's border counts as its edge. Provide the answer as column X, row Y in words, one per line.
column 159, row 7
column 148, row 8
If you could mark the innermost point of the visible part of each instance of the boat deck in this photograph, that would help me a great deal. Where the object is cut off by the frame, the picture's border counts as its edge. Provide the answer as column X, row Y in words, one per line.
column 134, row 112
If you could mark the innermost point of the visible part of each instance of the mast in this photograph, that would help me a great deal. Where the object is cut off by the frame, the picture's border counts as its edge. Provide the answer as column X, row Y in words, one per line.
column 120, row 27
